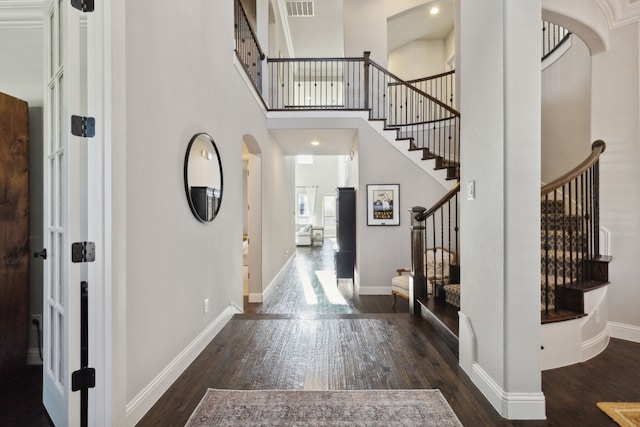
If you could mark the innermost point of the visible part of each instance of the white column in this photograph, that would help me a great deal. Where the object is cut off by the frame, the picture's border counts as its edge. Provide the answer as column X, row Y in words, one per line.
column 499, row 73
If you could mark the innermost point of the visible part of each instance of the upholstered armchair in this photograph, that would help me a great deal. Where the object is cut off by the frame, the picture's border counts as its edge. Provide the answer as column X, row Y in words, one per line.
column 303, row 235
column 437, row 271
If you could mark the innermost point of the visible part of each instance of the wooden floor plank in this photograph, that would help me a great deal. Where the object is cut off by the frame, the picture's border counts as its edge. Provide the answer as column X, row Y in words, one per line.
column 293, row 345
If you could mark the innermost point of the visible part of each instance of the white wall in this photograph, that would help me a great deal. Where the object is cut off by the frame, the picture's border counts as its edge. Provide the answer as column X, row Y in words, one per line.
column 417, row 59
column 499, row 73
column 172, row 74
column 21, row 67
column 450, row 48
column 616, row 119
column 566, row 111
column 365, row 26
column 278, row 43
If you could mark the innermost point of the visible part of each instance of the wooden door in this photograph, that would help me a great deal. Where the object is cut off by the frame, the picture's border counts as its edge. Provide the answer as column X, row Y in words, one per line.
column 14, row 236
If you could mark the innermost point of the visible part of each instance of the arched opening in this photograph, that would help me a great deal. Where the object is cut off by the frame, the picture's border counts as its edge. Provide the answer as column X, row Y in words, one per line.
column 252, row 219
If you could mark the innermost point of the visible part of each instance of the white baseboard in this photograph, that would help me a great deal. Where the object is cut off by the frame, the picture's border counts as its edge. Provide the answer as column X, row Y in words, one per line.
column 33, row 357
column 466, row 343
column 512, row 406
column 595, row 345
column 266, row 291
column 255, row 298
column 140, row 404
column 624, row 332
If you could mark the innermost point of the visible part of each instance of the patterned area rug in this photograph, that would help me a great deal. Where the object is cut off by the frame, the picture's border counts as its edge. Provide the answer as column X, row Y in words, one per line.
column 323, row 408
column 626, row 414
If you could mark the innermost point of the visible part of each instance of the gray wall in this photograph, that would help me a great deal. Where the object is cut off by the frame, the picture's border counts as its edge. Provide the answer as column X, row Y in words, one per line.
column 498, row 64
column 173, row 74
column 383, row 249
column 566, row 111
column 615, row 116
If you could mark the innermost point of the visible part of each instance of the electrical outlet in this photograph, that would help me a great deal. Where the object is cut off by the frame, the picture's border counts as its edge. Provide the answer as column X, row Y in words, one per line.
column 38, row 318
column 206, row 305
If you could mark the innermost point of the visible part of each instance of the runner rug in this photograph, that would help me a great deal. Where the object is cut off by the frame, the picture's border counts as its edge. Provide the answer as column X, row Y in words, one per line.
column 323, row 408
column 626, row 414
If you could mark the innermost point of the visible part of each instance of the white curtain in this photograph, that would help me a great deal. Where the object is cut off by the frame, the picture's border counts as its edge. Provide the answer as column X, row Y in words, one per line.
column 311, row 195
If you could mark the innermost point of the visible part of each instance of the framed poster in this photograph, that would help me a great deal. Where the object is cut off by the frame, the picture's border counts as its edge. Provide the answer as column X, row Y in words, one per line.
column 383, row 204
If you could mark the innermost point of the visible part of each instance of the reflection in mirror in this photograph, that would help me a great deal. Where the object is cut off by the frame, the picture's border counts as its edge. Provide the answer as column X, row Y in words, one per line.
column 203, row 177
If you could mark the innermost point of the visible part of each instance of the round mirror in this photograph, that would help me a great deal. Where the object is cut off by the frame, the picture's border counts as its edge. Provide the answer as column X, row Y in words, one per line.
column 203, row 177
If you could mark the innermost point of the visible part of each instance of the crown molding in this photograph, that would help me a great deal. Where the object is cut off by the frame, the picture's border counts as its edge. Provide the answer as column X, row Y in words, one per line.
column 620, row 12
column 21, row 14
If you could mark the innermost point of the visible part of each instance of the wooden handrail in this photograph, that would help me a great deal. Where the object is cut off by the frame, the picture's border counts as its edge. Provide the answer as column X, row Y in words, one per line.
column 440, row 203
column 597, row 148
column 351, row 59
column 437, row 76
column 415, row 89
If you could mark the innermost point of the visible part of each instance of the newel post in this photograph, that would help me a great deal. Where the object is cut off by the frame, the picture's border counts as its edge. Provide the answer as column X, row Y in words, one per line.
column 417, row 280
column 366, row 65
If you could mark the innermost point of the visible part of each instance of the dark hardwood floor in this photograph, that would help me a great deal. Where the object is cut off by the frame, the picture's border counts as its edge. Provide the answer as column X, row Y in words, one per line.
column 21, row 400
column 308, row 337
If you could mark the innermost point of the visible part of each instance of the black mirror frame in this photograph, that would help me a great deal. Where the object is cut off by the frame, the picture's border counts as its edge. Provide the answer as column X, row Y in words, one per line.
column 187, row 188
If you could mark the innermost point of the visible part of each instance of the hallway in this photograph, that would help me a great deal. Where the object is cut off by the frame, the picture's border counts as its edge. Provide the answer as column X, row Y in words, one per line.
column 311, row 335
column 307, row 336
column 307, row 286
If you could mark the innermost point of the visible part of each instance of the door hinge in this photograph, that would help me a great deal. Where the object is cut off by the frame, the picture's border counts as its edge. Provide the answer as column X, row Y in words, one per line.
column 83, row 378
column 83, row 5
column 84, row 127
column 83, row 252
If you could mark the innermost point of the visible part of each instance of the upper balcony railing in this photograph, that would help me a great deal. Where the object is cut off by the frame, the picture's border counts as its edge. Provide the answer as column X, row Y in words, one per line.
column 441, row 86
column 360, row 84
column 248, row 49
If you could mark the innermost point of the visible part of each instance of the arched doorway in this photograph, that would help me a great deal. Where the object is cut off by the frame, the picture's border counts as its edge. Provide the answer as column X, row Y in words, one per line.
column 252, row 219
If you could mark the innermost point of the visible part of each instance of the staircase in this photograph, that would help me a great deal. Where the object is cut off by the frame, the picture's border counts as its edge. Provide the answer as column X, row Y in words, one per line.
column 562, row 243
column 418, row 117
column 571, row 264
column 414, row 121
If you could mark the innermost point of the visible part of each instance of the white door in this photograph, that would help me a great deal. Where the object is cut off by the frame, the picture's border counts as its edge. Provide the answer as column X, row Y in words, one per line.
column 62, row 214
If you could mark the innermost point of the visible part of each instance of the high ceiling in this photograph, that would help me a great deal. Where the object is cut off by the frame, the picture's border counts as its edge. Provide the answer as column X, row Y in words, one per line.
column 419, row 24
column 320, row 35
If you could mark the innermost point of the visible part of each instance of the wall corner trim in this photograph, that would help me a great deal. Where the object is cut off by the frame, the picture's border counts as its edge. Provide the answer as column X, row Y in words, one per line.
column 21, row 14
column 513, row 406
column 141, row 403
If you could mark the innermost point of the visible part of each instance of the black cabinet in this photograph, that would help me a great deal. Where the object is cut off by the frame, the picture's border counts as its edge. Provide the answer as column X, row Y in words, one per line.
column 204, row 202
column 345, row 256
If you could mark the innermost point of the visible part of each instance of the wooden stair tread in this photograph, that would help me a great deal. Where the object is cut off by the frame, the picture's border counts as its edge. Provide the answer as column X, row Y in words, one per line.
column 559, row 316
column 586, row 285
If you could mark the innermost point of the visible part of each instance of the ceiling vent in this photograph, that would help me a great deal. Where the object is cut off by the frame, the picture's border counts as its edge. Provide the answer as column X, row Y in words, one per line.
column 299, row 8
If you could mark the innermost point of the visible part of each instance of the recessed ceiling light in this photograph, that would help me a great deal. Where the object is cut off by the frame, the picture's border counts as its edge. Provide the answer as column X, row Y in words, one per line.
column 315, row 143
column 434, row 10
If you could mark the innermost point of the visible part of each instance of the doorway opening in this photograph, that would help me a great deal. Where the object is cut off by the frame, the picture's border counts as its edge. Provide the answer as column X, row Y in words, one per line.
column 252, row 220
